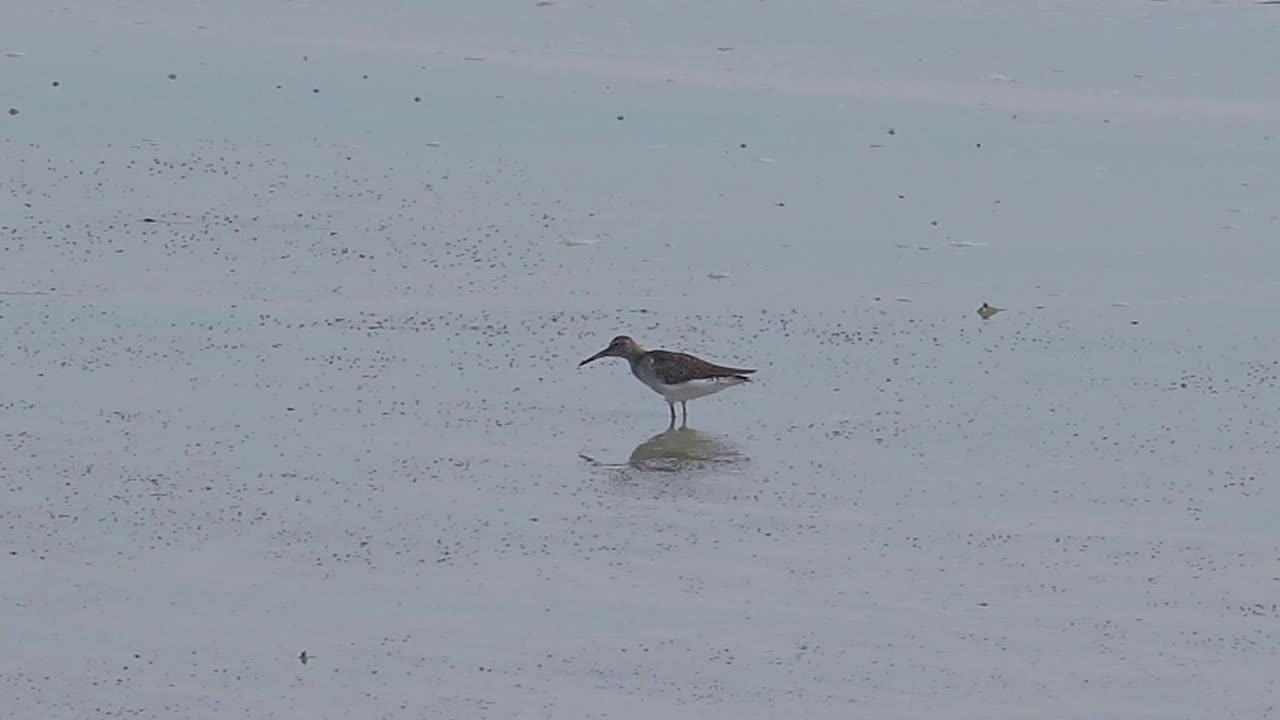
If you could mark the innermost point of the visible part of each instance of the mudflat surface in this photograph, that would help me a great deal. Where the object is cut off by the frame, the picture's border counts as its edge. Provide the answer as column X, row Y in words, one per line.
column 293, row 297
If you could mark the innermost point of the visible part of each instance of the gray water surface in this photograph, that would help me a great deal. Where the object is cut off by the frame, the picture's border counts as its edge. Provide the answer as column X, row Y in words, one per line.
column 291, row 370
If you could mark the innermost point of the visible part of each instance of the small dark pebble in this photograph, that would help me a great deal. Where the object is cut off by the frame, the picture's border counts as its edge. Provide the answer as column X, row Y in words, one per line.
column 742, row 145
column 979, row 144
column 173, row 76
column 933, row 223
column 620, row 117
column 781, row 204
column 417, row 99
column 315, row 91
column 901, row 196
column 892, row 131
column 56, row 83
column 14, row 111
column 364, row 77
column 148, row 219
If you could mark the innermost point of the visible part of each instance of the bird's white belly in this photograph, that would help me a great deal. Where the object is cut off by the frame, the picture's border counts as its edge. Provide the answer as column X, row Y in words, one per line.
column 693, row 389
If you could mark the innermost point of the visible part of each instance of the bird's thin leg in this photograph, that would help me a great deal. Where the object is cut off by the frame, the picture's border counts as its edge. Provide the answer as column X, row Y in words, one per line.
column 672, row 406
column 684, row 407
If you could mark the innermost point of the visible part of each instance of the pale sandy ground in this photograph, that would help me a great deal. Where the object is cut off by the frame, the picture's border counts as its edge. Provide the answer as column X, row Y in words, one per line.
column 326, row 399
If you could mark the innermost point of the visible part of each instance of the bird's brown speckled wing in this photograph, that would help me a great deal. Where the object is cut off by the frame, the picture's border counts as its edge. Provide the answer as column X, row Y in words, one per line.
column 676, row 367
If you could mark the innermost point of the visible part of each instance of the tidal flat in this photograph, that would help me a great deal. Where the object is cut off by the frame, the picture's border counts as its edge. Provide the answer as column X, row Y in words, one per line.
column 293, row 298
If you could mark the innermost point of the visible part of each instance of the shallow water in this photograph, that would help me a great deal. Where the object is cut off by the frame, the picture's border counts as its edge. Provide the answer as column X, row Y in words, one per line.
column 291, row 370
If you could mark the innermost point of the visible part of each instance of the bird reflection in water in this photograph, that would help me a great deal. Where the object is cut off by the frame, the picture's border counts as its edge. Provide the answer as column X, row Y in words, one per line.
column 681, row 449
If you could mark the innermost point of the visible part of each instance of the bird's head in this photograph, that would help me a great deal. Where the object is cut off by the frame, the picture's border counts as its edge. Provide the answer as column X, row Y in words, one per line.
column 621, row 346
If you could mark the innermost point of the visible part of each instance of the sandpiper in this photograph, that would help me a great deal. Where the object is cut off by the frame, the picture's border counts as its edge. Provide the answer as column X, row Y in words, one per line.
column 677, row 377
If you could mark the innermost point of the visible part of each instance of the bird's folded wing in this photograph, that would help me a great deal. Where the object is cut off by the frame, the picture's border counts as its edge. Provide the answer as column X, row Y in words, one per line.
column 673, row 368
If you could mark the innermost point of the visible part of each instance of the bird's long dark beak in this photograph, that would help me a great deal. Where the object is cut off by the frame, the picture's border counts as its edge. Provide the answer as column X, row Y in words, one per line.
column 597, row 356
